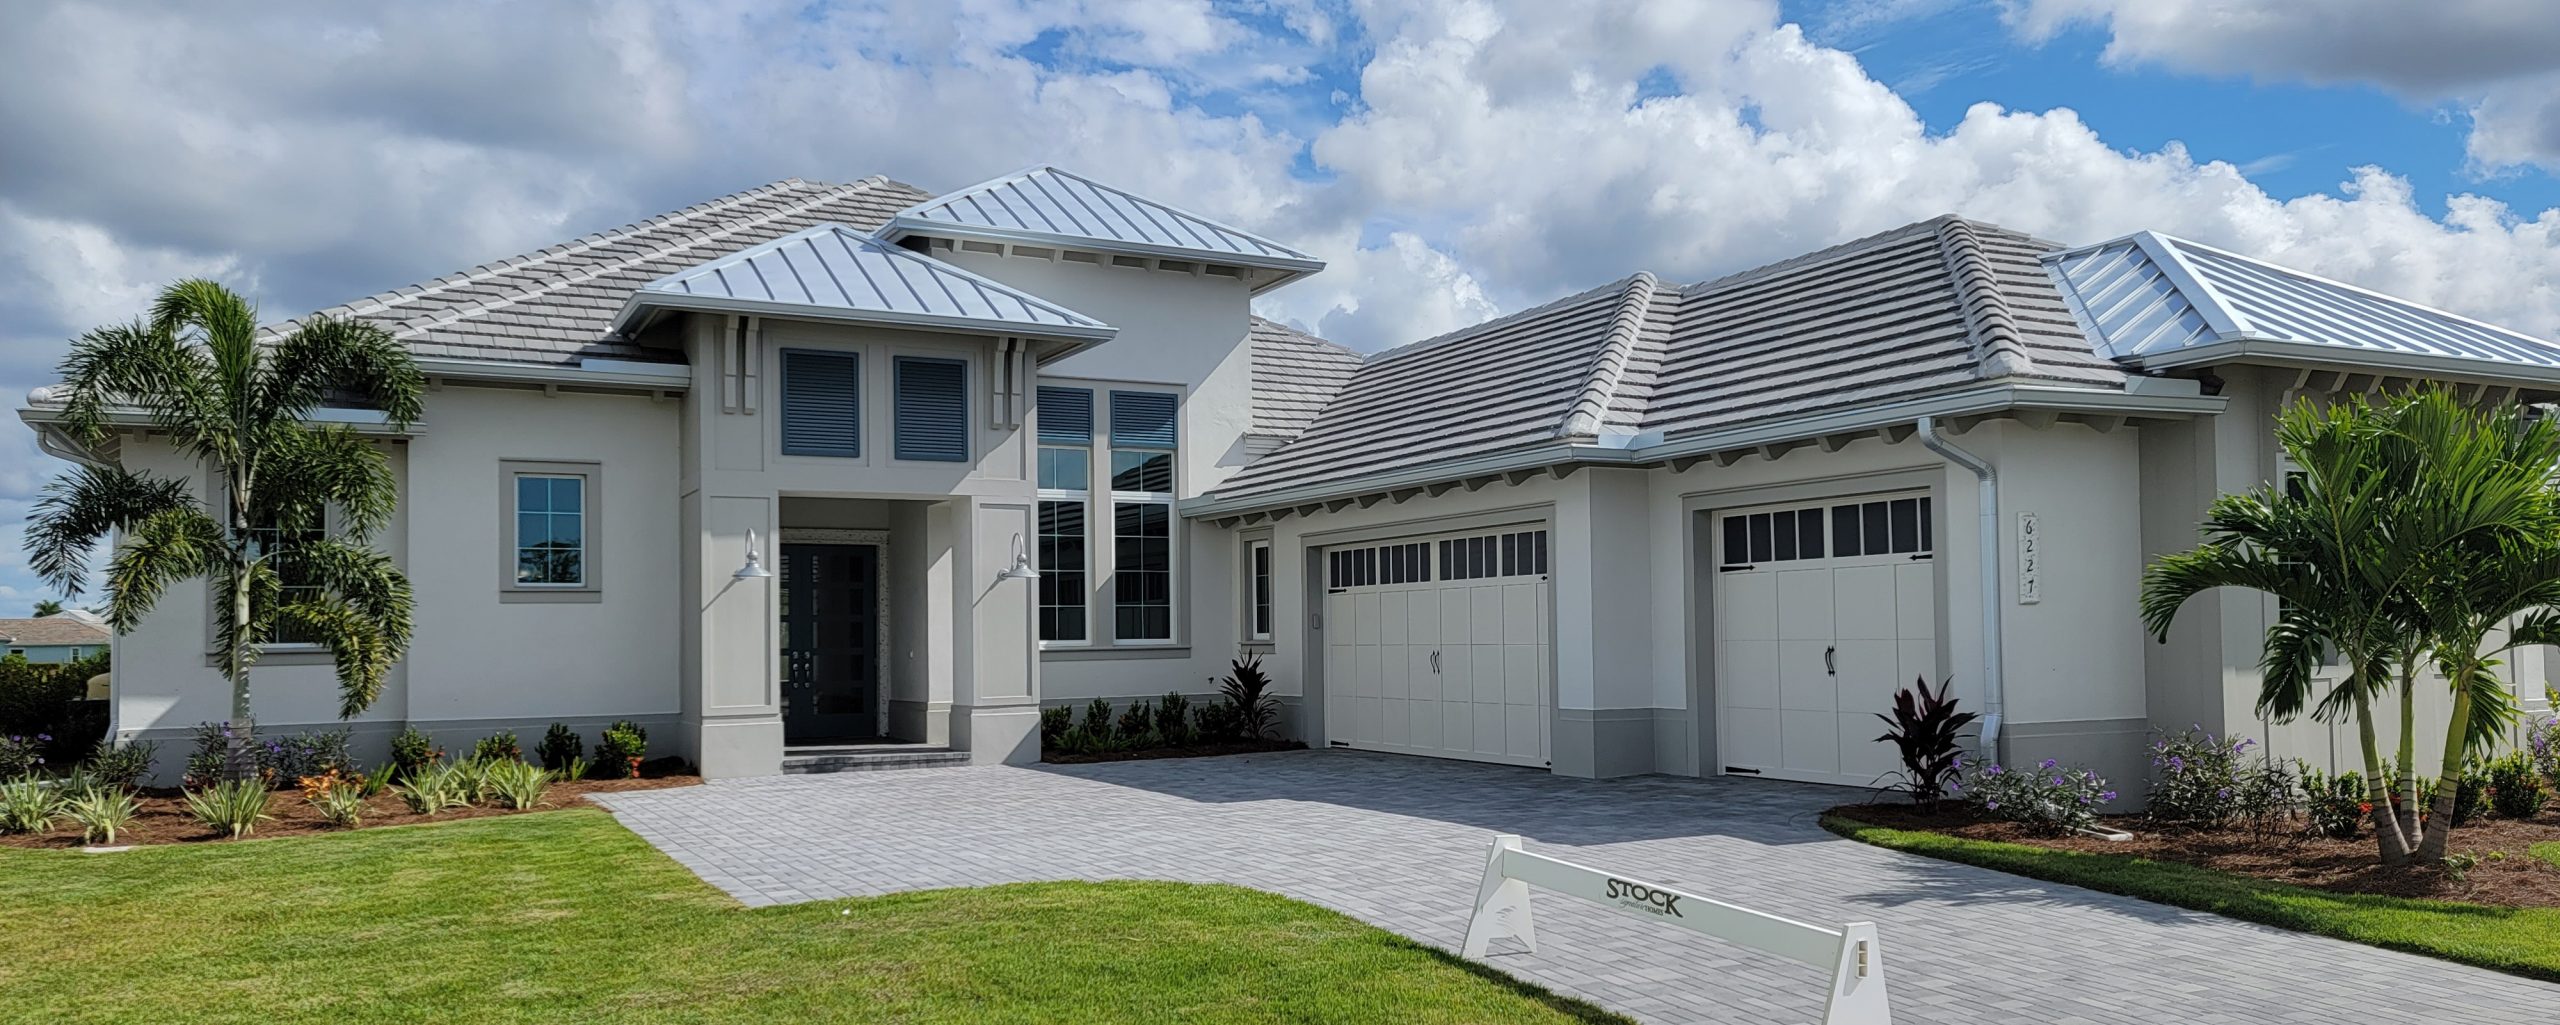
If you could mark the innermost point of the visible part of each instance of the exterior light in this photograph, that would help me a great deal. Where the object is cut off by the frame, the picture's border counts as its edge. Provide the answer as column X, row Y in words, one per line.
column 1021, row 568
column 754, row 569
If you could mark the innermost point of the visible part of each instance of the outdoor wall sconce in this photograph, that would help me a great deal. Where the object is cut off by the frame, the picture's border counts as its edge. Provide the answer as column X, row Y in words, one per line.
column 754, row 569
column 1021, row 569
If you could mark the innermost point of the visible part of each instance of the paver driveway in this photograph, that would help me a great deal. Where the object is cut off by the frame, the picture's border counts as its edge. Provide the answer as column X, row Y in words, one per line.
column 1400, row 842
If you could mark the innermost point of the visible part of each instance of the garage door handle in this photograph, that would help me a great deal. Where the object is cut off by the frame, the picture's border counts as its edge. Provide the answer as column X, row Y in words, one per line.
column 1435, row 661
column 1830, row 668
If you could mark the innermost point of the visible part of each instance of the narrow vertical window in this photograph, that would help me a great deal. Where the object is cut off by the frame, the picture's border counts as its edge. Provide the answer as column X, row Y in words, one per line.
column 1258, row 591
column 1143, row 434
column 1066, row 506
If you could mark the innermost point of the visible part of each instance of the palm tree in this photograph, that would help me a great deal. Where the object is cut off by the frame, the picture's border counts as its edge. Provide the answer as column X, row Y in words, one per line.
column 47, row 607
column 197, row 373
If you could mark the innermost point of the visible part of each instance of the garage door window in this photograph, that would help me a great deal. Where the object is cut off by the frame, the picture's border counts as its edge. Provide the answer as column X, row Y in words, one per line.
column 1899, row 526
column 1515, row 554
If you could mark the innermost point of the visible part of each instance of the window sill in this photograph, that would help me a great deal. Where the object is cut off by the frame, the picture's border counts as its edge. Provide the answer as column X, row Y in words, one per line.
column 1099, row 654
column 586, row 596
column 282, row 655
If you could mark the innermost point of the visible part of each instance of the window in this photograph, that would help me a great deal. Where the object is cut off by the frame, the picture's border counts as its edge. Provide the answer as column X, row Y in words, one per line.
column 1143, row 434
column 821, row 403
column 551, row 527
column 264, row 538
column 932, row 410
column 1893, row 526
column 1519, row 553
column 551, row 530
column 1065, row 478
column 1257, row 599
column 1897, row 526
column 1408, row 563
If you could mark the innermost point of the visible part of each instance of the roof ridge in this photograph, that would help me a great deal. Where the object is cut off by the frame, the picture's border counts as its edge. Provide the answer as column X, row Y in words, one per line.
column 1253, row 319
column 548, row 286
column 1460, row 334
column 1582, row 419
column 1998, row 347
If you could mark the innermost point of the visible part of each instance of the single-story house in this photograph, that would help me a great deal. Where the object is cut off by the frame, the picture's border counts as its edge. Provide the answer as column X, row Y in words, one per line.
column 51, row 640
column 1027, row 444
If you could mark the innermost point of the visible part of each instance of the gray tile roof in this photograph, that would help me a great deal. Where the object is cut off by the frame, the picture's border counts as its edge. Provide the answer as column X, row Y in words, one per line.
column 834, row 272
column 52, row 630
column 556, row 305
column 1295, row 375
column 1925, row 307
column 1045, row 204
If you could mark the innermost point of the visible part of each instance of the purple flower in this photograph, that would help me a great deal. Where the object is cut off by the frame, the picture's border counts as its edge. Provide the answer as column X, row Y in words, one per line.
column 2224, row 793
column 1994, row 770
column 1991, row 804
column 2047, row 764
column 2057, row 781
column 2177, row 764
column 2108, row 796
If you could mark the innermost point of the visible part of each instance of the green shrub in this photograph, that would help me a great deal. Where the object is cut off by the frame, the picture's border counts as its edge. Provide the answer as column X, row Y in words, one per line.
column 2048, row 798
column 1247, row 688
column 515, row 784
column 434, row 788
column 2470, row 794
column 500, row 746
column 28, row 805
column 235, row 806
column 101, row 812
column 377, row 781
column 1054, row 724
column 2516, row 790
column 296, row 755
column 48, row 700
column 2335, row 803
column 560, row 746
column 1214, row 722
column 121, row 764
column 619, row 751
column 22, row 756
column 1173, row 720
column 412, row 751
column 1137, row 726
column 340, row 800
column 1097, row 725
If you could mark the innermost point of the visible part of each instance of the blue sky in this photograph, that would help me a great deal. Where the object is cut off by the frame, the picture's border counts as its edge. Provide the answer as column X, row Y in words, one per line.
column 1450, row 159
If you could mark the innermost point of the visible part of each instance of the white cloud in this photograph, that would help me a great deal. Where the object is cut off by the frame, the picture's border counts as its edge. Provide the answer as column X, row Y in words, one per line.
column 2495, row 58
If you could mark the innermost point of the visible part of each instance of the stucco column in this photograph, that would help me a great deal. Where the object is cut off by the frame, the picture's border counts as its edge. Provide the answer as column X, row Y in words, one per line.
column 996, row 683
column 1602, row 567
column 732, row 703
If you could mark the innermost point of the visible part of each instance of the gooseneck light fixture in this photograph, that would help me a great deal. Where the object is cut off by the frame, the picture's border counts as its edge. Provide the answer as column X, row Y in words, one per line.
column 754, row 569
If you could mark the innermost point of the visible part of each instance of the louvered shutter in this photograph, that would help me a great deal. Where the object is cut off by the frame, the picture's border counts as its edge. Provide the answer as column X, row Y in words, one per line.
column 1142, row 419
column 932, row 410
column 821, row 403
column 1066, row 416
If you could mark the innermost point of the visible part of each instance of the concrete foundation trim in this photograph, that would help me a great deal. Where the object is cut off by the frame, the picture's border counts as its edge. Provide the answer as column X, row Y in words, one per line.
column 369, row 741
column 1598, row 743
column 2116, row 748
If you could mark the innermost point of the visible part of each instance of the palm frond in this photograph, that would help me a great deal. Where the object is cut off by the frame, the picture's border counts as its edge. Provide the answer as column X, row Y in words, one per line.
column 169, row 545
column 88, row 505
column 330, row 355
column 311, row 470
column 149, row 371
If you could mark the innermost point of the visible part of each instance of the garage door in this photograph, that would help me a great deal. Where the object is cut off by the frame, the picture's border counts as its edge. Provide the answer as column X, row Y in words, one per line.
column 1439, row 646
column 1821, row 612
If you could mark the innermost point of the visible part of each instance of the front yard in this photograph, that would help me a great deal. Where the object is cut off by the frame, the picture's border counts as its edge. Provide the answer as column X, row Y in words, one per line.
column 567, row 917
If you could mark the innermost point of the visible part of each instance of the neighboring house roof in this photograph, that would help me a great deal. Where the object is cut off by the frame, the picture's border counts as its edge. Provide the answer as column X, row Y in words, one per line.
column 556, row 305
column 1295, row 375
column 52, row 631
column 1045, row 205
column 833, row 272
column 2157, row 301
column 1918, row 310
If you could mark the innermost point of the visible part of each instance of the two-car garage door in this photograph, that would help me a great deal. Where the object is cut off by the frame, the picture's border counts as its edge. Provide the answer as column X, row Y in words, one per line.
column 1439, row 646
column 1821, row 611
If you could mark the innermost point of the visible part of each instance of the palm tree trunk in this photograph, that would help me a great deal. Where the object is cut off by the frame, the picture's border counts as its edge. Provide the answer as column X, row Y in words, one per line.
column 2387, row 835
column 2406, row 786
column 240, row 762
column 2439, row 833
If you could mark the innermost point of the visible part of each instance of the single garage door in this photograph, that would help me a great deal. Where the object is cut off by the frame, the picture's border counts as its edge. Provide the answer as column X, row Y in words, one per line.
column 1821, row 612
column 1439, row 646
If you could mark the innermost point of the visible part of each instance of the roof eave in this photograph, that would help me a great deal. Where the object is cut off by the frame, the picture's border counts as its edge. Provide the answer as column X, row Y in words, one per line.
column 2294, row 352
column 644, row 303
column 904, row 225
column 1991, row 397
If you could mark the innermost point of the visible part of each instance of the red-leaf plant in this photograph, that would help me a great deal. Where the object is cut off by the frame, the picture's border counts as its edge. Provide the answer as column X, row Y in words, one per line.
column 1925, row 724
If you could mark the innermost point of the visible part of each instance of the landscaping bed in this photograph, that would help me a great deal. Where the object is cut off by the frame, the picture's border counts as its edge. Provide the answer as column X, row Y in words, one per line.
column 2515, row 877
column 1233, row 747
column 163, row 817
column 568, row 917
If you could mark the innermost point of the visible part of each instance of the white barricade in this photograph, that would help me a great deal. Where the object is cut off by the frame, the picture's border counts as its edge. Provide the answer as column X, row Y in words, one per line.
column 1849, row 952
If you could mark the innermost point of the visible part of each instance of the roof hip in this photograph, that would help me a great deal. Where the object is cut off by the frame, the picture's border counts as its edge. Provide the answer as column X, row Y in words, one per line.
column 1998, row 348
column 1609, row 366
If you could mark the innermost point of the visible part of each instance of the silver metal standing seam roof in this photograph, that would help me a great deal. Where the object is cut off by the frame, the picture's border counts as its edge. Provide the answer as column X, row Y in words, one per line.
column 833, row 272
column 1050, row 206
column 2158, row 300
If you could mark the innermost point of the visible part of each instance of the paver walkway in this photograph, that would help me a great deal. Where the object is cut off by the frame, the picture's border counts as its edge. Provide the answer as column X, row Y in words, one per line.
column 1400, row 842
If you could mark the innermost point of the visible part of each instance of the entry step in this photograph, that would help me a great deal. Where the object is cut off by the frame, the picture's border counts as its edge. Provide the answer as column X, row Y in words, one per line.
column 870, row 758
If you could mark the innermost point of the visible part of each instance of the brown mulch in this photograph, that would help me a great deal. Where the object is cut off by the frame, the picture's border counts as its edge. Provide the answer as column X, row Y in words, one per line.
column 1241, row 747
column 2291, row 856
column 164, row 818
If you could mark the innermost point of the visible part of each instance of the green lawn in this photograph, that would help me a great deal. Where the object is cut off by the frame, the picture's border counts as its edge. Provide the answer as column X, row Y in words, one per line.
column 2520, row 941
column 567, row 917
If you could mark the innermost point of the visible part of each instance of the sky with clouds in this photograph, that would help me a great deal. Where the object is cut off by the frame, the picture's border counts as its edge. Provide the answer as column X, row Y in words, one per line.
column 1450, row 159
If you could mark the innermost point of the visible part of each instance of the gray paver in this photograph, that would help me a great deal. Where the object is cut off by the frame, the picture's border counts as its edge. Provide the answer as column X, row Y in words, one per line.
column 1399, row 842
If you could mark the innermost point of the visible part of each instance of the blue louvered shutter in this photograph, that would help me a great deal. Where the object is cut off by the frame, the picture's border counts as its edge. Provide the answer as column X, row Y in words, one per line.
column 1066, row 416
column 821, row 403
column 933, row 410
column 1142, row 419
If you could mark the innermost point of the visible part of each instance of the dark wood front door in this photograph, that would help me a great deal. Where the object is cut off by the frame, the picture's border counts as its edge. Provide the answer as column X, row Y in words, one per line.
column 830, row 643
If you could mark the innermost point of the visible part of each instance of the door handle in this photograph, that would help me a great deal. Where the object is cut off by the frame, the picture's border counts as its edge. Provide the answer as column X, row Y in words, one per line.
column 1829, row 667
column 1435, row 661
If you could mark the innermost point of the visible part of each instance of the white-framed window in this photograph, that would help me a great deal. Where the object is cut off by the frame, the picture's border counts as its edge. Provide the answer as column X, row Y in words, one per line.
column 1257, row 590
column 264, row 536
column 551, row 525
column 1143, row 437
column 1064, row 475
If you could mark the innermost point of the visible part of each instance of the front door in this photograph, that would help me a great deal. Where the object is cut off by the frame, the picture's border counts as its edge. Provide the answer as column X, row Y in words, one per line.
column 830, row 643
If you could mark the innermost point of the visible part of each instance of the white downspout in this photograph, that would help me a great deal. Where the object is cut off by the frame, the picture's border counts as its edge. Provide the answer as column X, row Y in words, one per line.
column 1987, row 506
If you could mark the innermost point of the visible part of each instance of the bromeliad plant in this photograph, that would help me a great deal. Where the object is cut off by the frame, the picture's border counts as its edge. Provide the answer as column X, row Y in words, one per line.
column 198, row 373
column 515, row 784
column 1924, row 729
column 233, row 806
column 101, row 812
column 28, row 805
